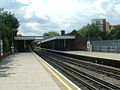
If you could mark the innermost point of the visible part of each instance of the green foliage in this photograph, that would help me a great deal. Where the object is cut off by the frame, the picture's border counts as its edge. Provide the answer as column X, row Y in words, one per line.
column 92, row 30
column 103, row 35
column 89, row 31
column 51, row 34
column 9, row 20
column 8, row 24
column 6, row 46
column 114, row 34
column 19, row 34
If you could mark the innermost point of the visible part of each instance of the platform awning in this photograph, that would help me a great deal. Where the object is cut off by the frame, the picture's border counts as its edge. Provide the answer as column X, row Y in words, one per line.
column 58, row 37
column 29, row 38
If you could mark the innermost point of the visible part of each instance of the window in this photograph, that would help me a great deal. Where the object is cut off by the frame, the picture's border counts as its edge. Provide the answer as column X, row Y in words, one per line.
column 98, row 22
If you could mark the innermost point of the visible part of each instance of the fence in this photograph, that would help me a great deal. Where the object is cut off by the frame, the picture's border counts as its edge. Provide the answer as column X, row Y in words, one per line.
column 104, row 46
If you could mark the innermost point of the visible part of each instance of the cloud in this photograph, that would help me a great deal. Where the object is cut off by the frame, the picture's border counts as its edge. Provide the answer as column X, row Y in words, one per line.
column 39, row 16
column 10, row 4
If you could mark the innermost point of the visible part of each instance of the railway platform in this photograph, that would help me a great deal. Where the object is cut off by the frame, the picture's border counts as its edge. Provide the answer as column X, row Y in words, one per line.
column 113, row 56
column 25, row 71
column 104, row 55
column 109, row 59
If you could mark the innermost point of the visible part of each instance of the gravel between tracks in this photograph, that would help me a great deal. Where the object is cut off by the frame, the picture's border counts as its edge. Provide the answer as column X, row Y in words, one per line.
column 100, row 76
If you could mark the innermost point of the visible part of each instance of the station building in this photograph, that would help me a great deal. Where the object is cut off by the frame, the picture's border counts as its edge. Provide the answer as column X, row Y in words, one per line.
column 70, row 41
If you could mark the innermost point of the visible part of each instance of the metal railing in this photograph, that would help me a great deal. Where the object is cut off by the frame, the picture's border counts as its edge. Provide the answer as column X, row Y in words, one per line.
column 105, row 46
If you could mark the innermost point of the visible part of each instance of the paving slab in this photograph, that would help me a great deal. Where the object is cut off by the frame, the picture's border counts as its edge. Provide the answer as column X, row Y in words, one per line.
column 22, row 71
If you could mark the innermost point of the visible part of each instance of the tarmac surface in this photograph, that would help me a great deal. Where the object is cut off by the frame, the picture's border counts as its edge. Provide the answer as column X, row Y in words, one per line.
column 22, row 71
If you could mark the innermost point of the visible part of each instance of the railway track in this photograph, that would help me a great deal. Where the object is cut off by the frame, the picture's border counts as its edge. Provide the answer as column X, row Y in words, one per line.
column 98, row 68
column 89, row 81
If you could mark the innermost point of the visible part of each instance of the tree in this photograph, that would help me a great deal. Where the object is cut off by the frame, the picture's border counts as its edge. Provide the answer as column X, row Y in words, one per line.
column 51, row 34
column 19, row 34
column 92, row 31
column 89, row 31
column 103, row 35
column 114, row 34
column 8, row 24
column 5, row 35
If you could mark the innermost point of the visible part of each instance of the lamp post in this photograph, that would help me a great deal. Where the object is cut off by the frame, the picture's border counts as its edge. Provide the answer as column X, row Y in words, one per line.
column 12, row 46
column 1, row 44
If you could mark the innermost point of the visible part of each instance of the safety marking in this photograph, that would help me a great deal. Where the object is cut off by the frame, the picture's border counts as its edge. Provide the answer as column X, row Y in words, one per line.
column 66, row 85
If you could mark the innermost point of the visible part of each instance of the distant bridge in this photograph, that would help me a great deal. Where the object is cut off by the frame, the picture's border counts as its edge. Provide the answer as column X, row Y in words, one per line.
column 22, row 43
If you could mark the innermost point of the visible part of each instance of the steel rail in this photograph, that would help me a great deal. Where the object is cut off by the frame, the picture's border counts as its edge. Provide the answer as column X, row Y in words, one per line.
column 101, row 81
column 70, row 74
column 91, row 67
column 95, row 79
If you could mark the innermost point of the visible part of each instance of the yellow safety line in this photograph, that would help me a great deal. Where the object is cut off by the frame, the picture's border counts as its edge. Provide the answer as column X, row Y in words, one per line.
column 66, row 85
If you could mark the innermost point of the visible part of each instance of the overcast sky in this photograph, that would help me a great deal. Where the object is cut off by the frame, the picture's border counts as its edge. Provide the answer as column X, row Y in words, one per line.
column 39, row 16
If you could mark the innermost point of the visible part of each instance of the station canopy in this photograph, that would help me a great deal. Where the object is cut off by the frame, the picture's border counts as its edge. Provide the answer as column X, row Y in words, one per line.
column 28, row 38
column 58, row 37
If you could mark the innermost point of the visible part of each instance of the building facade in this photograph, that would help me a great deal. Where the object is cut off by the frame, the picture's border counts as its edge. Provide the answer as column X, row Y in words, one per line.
column 114, row 26
column 108, row 26
column 104, row 25
column 101, row 23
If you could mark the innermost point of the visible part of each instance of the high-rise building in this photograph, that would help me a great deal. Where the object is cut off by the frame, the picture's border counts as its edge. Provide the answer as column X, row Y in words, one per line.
column 101, row 23
column 104, row 25
column 108, row 26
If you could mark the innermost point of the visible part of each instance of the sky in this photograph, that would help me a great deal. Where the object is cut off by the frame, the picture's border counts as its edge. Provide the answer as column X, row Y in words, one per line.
column 39, row 16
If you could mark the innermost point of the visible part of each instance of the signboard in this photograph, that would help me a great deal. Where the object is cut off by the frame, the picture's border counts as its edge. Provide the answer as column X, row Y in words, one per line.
column 89, row 46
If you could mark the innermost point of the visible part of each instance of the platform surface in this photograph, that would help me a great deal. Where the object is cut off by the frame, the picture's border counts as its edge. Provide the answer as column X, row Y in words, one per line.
column 23, row 72
column 113, row 56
